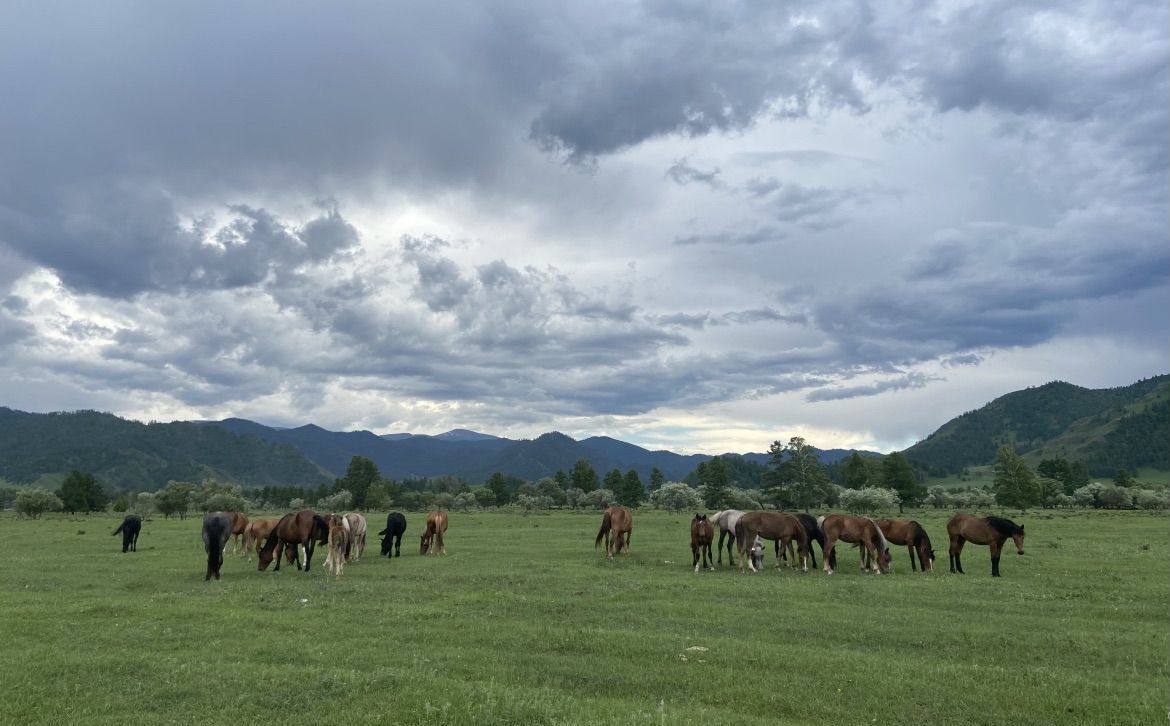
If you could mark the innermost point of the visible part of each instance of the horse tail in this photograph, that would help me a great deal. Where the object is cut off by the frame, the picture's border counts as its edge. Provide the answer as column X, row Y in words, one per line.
column 321, row 525
column 605, row 526
column 820, row 521
column 119, row 529
column 922, row 540
column 881, row 536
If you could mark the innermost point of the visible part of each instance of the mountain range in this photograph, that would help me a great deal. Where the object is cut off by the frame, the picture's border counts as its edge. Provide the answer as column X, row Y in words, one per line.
column 1106, row 428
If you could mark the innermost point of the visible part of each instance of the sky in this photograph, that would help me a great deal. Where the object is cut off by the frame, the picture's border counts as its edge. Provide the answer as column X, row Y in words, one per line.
column 695, row 226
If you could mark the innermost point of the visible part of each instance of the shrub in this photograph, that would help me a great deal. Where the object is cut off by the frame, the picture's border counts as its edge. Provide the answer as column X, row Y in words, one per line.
column 32, row 503
column 676, row 497
column 337, row 502
column 868, row 500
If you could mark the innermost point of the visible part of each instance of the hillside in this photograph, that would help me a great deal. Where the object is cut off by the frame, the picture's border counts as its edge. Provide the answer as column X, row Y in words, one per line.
column 133, row 455
column 1105, row 428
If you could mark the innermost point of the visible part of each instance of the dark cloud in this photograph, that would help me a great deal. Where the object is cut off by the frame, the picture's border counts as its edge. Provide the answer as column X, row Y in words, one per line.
column 908, row 381
column 682, row 173
column 759, row 236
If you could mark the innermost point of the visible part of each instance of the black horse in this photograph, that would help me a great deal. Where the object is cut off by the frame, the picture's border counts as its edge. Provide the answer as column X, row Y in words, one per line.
column 392, row 535
column 130, row 527
column 217, row 528
column 815, row 534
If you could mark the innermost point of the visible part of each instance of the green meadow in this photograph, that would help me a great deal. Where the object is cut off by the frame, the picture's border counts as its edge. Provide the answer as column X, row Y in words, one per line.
column 524, row 622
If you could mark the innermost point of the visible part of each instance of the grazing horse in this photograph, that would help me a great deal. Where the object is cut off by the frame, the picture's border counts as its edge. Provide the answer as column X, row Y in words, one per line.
column 339, row 542
column 616, row 526
column 813, row 530
column 392, row 535
column 239, row 528
column 357, row 536
column 254, row 536
column 701, row 536
column 861, row 531
column 779, row 526
column 130, row 527
column 436, row 527
column 305, row 528
column 726, row 520
column 217, row 528
column 910, row 533
column 991, row 531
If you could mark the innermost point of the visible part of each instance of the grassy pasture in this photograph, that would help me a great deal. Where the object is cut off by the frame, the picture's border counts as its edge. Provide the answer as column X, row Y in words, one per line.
column 523, row 622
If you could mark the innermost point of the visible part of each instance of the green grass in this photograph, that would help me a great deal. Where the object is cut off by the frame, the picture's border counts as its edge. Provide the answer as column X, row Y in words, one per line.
column 524, row 622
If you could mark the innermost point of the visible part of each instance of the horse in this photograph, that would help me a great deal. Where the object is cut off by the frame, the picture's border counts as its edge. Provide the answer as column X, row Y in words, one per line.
column 130, row 527
column 861, row 531
column 813, row 530
column 433, row 534
column 392, row 535
column 255, row 534
column 239, row 527
column 779, row 526
column 357, row 536
column 910, row 533
column 991, row 531
column 305, row 528
column 701, row 536
column 616, row 526
column 339, row 542
column 726, row 520
column 217, row 528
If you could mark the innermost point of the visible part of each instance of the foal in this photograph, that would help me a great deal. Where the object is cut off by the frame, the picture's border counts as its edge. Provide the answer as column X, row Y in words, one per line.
column 339, row 541
column 701, row 536
column 432, row 536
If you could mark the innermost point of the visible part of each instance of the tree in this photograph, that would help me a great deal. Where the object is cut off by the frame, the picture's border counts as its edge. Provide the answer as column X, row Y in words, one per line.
column 797, row 477
column 657, row 479
column 630, row 491
column 897, row 474
column 498, row 485
column 32, row 503
column 174, row 498
column 336, row 502
column 550, row 488
column 1050, row 489
column 855, row 472
column 360, row 475
column 81, row 493
column 484, row 497
column 1078, row 476
column 1123, row 478
column 121, row 504
column 597, row 499
column 583, row 477
column 676, row 497
column 1057, row 469
column 713, row 482
column 1015, row 484
column 562, row 479
column 613, row 480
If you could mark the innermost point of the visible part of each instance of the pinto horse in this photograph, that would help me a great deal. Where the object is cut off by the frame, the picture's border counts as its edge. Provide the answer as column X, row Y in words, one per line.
column 910, row 533
column 392, row 535
column 616, row 525
column 861, row 531
column 701, row 536
column 217, row 528
column 779, row 526
column 305, row 528
column 991, row 531
column 239, row 529
column 130, row 527
column 432, row 537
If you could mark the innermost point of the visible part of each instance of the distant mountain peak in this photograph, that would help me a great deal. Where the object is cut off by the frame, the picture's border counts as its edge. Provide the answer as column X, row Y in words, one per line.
column 465, row 435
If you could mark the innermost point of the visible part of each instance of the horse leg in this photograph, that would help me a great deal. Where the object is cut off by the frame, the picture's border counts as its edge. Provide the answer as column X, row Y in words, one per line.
column 730, row 545
column 309, row 552
column 910, row 549
column 954, row 550
column 994, row 546
column 826, row 560
column 695, row 556
column 722, row 536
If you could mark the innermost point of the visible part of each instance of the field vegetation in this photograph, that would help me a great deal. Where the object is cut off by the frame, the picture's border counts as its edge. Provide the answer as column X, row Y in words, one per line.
column 525, row 623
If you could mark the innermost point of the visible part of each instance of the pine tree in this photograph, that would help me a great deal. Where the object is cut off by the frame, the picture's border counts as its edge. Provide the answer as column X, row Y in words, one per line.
column 583, row 476
column 657, row 479
column 631, row 493
column 898, row 474
column 1015, row 484
column 713, row 482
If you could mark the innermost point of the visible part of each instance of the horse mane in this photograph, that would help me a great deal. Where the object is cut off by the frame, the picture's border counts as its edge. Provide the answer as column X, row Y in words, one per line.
column 881, row 535
column 821, row 521
column 1004, row 526
column 922, row 539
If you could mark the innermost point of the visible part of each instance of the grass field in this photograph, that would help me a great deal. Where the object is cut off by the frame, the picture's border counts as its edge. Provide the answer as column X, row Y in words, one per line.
column 524, row 622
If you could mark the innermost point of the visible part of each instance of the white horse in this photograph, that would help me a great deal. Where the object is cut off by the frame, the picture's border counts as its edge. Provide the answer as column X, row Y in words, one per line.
column 356, row 525
column 726, row 520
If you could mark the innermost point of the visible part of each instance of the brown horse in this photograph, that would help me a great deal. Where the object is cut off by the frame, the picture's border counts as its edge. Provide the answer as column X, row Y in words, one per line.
column 910, row 533
column 433, row 533
column 778, row 526
column 991, row 531
column 861, row 531
column 239, row 527
column 701, row 536
column 255, row 534
column 304, row 528
column 338, row 542
column 616, row 526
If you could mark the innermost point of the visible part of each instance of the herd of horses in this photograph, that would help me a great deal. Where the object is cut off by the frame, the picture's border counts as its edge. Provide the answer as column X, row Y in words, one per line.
column 295, row 536
column 793, row 535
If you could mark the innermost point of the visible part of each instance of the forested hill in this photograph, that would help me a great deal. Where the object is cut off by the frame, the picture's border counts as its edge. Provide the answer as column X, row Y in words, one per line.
column 133, row 455
column 1106, row 429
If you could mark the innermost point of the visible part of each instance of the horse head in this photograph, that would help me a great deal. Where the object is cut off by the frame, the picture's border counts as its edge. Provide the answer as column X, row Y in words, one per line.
column 424, row 544
column 1018, row 538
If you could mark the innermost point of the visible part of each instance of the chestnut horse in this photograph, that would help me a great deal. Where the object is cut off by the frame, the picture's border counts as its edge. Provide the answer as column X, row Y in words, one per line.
column 991, row 531
column 779, row 526
column 239, row 528
column 339, row 539
column 861, row 531
column 701, row 536
column 910, row 533
column 813, row 530
column 616, row 526
column 217, row 528
column 304, row 528
column 433, row 533
column 255, row 534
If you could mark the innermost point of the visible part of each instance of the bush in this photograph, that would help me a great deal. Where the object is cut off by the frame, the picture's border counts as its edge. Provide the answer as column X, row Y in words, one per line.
column 528, row 502
column 676, row 497
column 573, row 497
column 743, row 499
column 597, row 499
column 32, row 503
column 465, row 501
column 869, row 499
column 296, row 504
column 337, row 502
column 1151, row 499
